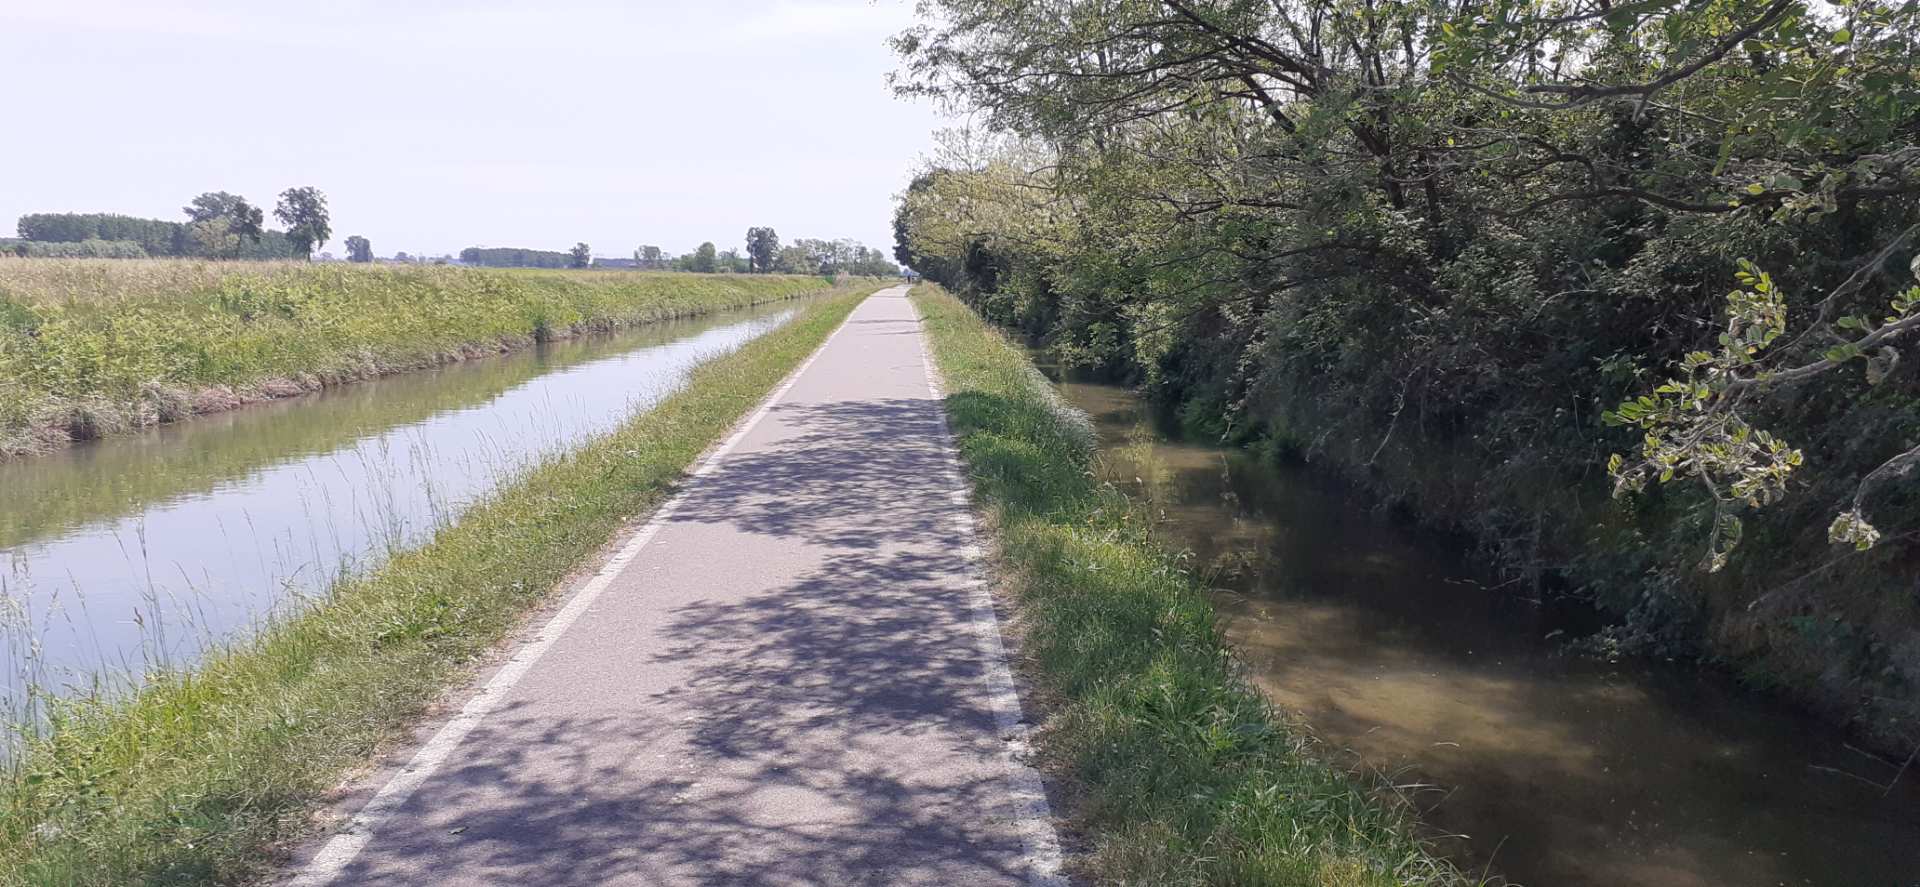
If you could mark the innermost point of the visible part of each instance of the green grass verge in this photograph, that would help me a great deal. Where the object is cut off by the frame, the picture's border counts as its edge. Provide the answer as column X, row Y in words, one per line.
column 93, row 347
column 1175, row 769
column 195, row 779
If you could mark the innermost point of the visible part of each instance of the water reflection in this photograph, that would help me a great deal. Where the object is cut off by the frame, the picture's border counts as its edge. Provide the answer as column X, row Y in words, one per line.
column 143, row 550
column 1548, row 768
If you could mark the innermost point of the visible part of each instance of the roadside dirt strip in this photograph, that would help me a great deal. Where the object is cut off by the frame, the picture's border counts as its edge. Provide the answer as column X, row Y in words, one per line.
column 792, row 675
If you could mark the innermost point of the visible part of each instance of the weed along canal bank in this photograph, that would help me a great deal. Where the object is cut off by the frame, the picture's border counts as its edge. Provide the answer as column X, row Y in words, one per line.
column 1528, row 755
column 412, row 533
column 93, row 348
column 1171, row 766
column 138, row 551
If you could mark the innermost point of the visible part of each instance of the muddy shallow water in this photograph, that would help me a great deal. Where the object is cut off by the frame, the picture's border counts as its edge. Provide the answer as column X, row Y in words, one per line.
column 126, row 553
column 1539, row 765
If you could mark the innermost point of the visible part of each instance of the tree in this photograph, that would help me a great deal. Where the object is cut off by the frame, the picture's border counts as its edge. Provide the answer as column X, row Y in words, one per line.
column 582, row 255
column 304, row 212
column 872, row 263
column 1401, row 235
column 212, row 205
column 248, row 224
column 358, row 249
column 650, row 256
column 729, row 261
column 703, row 259
column 223, row 222
column 763, row 247
column 213, row 237
column 794, row 259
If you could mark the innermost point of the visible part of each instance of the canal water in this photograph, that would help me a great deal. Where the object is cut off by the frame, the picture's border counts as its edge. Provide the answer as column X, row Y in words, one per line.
column 124, row 554
column 1531, row 762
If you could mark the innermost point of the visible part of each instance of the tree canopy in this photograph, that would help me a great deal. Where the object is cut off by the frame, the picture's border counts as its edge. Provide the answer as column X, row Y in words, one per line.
column 304, row 212
column 1401, row 234
column 763, row 247
column 704, row 259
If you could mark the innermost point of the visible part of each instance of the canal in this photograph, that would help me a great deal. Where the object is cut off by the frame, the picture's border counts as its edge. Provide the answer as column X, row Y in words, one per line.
column 1528, row 761
column 132, row 553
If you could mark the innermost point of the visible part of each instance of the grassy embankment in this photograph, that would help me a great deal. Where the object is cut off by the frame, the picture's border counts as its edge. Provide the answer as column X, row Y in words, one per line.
column 194, row 779
column 197, row 456
column 94, row 347
column 1178, row 771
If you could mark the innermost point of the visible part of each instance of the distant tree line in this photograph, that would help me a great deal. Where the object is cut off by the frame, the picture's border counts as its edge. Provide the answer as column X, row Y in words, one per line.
column 227, row 226
column 80, row 249
column 153, row 236
column 764, row 254
column 832, row 257
column 219, row 225
column 514, row 257
column 58, row 234
column 650, row 257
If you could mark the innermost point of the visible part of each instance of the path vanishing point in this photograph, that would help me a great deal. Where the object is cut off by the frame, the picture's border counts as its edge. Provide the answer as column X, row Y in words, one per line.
column 791, row 675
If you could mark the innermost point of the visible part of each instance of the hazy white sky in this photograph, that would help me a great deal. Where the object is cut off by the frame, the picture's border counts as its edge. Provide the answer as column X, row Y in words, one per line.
column 434, row 125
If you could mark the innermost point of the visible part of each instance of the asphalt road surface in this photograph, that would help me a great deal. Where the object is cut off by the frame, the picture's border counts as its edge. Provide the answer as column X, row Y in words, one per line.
column 792, row 675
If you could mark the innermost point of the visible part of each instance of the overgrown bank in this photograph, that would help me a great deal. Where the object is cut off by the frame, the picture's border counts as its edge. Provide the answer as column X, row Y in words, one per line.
column 94, row 347
column 1464, row 253
column 1176, row 769
column 197, row 777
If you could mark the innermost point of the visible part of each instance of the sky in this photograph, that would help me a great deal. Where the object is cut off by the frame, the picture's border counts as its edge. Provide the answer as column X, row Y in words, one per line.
column 434, row 125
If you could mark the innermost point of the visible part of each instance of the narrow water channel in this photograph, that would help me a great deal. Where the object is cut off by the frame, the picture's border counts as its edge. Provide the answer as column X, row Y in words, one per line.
column 140, row 551
column 1546, row 767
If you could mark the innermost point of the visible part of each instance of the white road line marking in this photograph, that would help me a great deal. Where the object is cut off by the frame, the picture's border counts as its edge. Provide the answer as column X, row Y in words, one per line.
column 1032, row 814
column 340, row 850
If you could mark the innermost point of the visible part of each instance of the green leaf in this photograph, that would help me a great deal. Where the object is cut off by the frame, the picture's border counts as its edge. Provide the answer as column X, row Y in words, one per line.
column 1842, row 37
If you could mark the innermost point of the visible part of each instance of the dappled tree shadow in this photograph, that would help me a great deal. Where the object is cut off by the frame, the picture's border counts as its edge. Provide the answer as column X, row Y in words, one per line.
column 849, row 474
column 786, row 687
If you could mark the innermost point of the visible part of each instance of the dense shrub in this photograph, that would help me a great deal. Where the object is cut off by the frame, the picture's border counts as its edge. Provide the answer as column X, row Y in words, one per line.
column 83, row 249
column 1436, row 249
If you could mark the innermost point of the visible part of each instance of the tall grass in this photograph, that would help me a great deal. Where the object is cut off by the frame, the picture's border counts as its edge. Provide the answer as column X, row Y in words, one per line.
column 199, row 775
column 91, row 347
column 1175, row 768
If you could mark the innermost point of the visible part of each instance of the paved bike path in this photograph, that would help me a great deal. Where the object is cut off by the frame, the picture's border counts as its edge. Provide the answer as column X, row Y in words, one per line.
column 790, row 676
